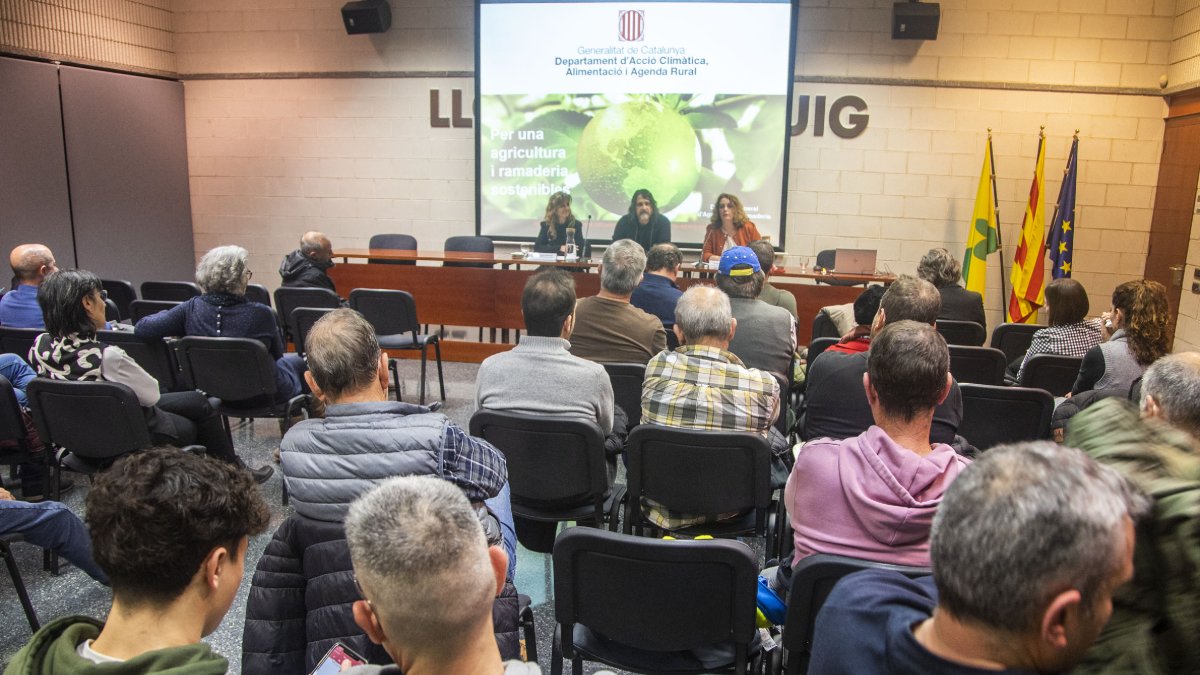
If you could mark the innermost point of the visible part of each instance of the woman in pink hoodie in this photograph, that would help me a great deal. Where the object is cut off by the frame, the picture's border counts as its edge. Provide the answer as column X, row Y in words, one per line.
column 874, row 496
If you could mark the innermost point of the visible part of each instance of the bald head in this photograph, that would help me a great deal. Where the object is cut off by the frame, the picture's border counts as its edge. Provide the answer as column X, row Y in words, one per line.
column 316, row 246
column 703, row 316
column 31, row 263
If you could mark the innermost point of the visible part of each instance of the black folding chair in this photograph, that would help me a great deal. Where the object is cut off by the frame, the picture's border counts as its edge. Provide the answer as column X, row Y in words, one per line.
column 812, row 580
column 967, row 333
column 302, row 321
column 466, row 244
column 93, row 423
column 140, row 309
column 1056, row 374
column 173, row 291
column 121, row 293
column 258, row 293
column 557, row 470
column 703, row 473
column 819, row 345
column 394, row 316
column 648, row 605
column 152, row 354
column 18, row 583
column 18, row 340
column 823, row 326
column 626, row 380
column 287, row 299
column 392, row 242
column 1014, row 339
column 994, row 415
column 978, row 365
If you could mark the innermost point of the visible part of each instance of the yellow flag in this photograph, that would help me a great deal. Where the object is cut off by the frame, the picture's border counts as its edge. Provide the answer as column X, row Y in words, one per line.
column 982, row 237
column 1028, row 272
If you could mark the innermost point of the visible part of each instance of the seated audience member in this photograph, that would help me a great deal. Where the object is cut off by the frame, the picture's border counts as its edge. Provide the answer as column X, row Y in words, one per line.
column 874, row 496
column 223, row 311
column 552, row 235
column 427, row 578
column 539, row 376
column 771, row 295
column 363, row 440
column 658, row 293
column 1155, row 618
column 944, row 271
column 308, row 266
column 866, row 306
column 703, row 386
column 1139, row 330
column 836, row 405
column 52, row 526
column 33, row 474
column 1069, row 333
column 643, row 224
column 607, row 328
column 31, row 263
column 766, row 335
column 728, row 227
column 68, row 350
column 1028, row 546
column 170, row 529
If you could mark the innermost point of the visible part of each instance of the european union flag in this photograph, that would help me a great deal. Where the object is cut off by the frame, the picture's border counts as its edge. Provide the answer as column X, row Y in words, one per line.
column 1062, row 230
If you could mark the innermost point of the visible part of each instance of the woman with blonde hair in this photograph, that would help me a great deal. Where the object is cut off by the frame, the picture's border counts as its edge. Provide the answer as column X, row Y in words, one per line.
column 727, row 228
column 552, row 237
column 1138, row 323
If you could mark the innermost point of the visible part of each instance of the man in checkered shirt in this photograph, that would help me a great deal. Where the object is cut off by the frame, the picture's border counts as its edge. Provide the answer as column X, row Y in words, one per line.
column 703, row 386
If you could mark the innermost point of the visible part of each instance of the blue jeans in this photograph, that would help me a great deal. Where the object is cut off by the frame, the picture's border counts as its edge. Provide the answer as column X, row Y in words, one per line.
column 16, row 371
column 501, row 507
column 52, row 525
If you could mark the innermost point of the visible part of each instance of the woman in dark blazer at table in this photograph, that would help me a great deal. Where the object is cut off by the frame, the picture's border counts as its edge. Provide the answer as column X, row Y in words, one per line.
column 944, row 271
column 552, row 237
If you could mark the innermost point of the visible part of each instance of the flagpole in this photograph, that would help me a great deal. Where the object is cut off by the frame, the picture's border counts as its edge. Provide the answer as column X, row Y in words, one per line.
column 999, row 240
column 1066, row 170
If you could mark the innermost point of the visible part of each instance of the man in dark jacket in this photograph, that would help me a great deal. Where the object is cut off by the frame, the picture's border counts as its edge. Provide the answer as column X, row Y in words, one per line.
column 301, row 596
column 308, row 266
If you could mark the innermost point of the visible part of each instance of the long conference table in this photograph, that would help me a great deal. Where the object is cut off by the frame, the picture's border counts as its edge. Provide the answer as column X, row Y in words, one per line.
column 488, row 293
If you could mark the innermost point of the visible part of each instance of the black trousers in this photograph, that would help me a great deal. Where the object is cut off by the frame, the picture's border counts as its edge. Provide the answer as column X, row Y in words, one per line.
column 185, row 418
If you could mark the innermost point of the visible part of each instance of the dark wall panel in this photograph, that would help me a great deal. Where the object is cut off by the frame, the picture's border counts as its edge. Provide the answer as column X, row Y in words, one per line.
column 127, row 160
column 34, row 206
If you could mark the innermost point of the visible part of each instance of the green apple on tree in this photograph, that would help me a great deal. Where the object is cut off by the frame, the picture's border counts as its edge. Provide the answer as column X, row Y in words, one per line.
column 638, row 144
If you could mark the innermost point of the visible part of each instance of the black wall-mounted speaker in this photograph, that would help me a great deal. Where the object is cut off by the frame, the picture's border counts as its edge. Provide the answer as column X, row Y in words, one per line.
column 915, row 20
column 366, row 16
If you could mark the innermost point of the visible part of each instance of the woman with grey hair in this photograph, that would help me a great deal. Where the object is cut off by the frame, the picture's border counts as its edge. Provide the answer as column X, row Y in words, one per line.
column 942, row 270
column 223, row 311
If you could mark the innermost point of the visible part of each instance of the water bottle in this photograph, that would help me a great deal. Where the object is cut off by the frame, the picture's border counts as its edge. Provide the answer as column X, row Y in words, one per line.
column 571, row 253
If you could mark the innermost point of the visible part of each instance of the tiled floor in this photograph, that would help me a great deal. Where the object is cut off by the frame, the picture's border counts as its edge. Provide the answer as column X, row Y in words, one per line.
column 73, row 592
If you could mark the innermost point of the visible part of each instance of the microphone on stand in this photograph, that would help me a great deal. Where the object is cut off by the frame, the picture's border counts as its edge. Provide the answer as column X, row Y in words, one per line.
column 586, row 245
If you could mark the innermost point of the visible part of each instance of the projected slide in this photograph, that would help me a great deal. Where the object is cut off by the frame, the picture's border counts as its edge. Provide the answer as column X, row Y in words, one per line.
column 599, row 99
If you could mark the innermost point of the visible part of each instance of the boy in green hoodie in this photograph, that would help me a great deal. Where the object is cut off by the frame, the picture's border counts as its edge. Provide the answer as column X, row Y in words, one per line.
column 170, row 530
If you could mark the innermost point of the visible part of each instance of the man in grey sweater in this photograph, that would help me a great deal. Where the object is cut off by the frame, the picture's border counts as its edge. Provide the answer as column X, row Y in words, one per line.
column 539, row 376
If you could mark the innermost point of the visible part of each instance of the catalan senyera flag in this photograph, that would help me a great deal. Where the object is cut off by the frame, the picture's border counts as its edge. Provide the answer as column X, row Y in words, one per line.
column 982, row 239
column 1028, row 272
column 1062, row 230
